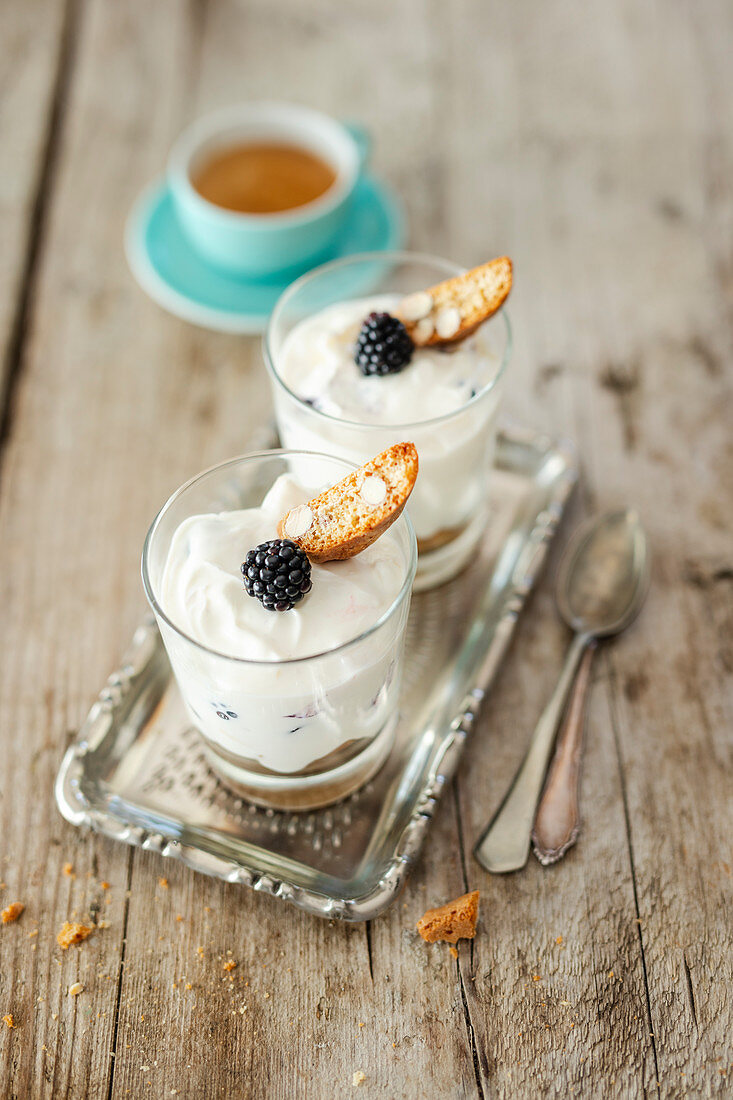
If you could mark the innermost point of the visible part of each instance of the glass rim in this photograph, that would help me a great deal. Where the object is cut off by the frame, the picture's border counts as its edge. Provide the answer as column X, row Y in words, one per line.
column 405, row 589
column 404, row 256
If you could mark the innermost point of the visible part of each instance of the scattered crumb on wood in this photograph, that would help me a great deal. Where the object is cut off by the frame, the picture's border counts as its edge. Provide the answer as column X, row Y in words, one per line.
column 229, row 964
column 11, row 912
column 358, row 1078
column 69, row 869
column 163, row 882
column 76, row 989
column 72, row 933
column 8, row 1020
column 456, row 920
column 453, row 952
column 105, row 886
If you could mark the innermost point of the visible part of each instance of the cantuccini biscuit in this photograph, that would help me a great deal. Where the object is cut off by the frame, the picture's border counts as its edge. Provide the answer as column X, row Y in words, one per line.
column 451, row 311
column 344, row 520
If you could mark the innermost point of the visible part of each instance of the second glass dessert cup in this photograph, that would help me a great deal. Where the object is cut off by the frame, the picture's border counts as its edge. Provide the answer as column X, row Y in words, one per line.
column 298, row 733
column 449, row 506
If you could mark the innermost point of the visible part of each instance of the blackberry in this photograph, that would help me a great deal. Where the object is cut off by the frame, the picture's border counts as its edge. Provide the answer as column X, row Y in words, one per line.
column 383, row 346
column 278, row 573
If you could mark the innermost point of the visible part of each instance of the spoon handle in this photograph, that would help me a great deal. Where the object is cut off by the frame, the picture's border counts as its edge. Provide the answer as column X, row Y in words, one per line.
column 504, row 845
column 557, row 824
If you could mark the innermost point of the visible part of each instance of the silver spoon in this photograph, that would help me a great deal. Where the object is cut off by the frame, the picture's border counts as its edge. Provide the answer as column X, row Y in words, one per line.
column 601, row 583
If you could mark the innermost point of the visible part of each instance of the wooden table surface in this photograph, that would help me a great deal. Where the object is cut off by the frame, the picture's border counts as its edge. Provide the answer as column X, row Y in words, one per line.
column 594, row 144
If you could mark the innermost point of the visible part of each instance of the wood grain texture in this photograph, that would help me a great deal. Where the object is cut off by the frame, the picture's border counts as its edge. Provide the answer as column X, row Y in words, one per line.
column 595, row 147
column 36, row 62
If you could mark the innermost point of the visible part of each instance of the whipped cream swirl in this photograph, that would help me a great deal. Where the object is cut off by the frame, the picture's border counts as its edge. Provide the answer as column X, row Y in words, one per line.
column 202, row 590
column 317, row 363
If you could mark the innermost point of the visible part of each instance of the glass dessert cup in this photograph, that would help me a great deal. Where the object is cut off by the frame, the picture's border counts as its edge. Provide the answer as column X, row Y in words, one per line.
column 449, row 506
column 296, row 733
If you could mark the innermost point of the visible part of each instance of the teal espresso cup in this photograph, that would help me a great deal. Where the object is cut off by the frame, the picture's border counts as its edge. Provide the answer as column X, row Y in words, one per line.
column 258, row 245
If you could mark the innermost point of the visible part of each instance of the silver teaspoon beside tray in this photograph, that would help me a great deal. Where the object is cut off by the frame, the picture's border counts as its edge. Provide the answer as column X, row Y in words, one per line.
column 138, row 772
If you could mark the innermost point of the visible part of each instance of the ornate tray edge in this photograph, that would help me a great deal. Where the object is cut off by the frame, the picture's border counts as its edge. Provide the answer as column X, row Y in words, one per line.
column 75, row 809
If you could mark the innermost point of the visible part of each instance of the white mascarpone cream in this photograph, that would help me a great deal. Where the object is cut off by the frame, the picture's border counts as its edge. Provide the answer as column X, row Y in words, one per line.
column 317, row 363
column 429, row 401
column 288, row 711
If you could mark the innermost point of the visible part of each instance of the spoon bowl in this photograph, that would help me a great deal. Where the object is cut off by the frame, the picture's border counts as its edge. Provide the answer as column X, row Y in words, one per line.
column 603, row 575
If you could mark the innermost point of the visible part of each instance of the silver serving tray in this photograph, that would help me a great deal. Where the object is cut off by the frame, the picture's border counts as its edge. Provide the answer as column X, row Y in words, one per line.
column 138, row 772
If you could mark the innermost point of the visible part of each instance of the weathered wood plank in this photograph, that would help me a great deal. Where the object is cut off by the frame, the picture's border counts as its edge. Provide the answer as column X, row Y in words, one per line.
column 36, row 40
column 620, row 345
column 90, row 405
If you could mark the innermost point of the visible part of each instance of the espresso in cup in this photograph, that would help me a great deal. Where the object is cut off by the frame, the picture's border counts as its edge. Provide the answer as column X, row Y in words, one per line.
column 265, row 188
column 263, row 178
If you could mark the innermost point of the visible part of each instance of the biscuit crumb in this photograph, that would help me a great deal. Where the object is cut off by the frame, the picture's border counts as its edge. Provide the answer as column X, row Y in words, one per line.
column 229, row 964
column 9, row 1021
column 453, row 952
column 456, row 920
column 69, row 870
column 558, row 940
column 76, row 989
column 358, row 1078
column 163, row 882
column 72, row 933
column 105, row 885
column 12, row 912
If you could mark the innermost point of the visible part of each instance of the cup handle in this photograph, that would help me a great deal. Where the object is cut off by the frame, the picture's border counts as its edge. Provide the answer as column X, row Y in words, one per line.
column 363, row 140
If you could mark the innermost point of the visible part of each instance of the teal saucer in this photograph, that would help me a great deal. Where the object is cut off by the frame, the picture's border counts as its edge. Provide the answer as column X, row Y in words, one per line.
column 167, row 268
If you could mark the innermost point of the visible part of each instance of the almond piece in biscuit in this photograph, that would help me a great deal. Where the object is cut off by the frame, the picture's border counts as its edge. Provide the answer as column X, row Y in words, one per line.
column 456, row 920
column 345, row 519
column 458, row 306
